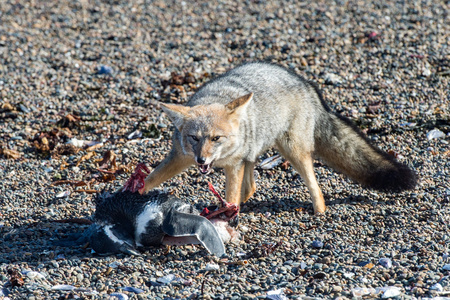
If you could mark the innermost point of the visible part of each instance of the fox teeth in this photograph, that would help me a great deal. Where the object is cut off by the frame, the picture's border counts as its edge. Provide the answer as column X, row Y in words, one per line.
column 204, row 169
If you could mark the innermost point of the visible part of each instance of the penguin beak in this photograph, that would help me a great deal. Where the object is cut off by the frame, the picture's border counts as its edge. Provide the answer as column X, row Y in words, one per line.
column 128, row 249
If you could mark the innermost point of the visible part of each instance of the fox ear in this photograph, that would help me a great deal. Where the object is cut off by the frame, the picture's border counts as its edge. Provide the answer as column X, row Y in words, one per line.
column 176, row 113
column 239, row 105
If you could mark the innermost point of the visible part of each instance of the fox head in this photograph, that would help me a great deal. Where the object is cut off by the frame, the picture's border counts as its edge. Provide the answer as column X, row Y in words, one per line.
column 208, row 132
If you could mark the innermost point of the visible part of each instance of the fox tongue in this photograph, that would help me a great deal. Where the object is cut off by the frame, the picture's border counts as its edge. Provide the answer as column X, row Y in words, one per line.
column 204, row 168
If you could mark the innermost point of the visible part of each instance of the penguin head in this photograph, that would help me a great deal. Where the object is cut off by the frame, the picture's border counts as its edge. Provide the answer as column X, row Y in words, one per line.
column 110, row 239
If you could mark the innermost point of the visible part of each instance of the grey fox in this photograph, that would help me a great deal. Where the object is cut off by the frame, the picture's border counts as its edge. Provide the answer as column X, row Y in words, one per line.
column 232, row 119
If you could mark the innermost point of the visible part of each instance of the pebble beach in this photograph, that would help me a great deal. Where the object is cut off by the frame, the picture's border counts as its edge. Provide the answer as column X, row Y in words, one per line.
column 80, row 87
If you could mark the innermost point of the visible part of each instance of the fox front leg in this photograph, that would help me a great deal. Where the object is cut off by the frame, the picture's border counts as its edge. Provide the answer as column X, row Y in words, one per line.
column 233, row 186
column 172, row 165
column 248, row 183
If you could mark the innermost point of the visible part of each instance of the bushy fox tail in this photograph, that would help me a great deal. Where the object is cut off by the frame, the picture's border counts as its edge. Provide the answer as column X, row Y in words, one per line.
column 343, row 147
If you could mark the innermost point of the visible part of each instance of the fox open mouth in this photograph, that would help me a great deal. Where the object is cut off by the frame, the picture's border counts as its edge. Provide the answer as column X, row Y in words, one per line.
column 204, row 168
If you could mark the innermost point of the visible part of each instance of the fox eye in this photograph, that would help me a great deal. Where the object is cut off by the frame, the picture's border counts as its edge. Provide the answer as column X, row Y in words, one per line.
column 194, row 138
column 215, row 139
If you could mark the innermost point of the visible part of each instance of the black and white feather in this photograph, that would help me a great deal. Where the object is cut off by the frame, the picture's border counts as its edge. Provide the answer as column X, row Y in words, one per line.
column 125, row 221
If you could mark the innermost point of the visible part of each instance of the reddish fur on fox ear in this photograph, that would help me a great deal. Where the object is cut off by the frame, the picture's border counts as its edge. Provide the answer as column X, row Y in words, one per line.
column 176, row 113
column 240, row 103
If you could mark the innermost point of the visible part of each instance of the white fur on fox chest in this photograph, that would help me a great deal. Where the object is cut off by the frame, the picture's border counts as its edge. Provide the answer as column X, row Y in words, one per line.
column 151, row 211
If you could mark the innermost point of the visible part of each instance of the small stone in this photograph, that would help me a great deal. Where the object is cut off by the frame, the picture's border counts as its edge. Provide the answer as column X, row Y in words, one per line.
column 426, row 72
column 105, row 70
column 166, row 279
column 437, row 287
column 212, row 267
column 366, row 264
column 435, row 134
column 385, row 262
column 23, row 108
column 317, row 244
column 390, row 292
column 336, row 289
column 326, row 260
column 349, row 275
column 331, row 78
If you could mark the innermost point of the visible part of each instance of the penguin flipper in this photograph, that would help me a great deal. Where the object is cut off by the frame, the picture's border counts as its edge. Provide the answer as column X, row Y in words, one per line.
column 178, row 224
column 76, row 239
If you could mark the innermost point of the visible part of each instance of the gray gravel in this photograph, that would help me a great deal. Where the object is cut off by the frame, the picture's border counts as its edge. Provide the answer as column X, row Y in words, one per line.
column 96, row 70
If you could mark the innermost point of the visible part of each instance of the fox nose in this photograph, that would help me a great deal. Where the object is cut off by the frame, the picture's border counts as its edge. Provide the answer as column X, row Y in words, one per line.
column 201, row 160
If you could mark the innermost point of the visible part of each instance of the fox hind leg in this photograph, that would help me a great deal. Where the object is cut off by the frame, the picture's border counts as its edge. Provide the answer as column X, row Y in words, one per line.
column 302, row 161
